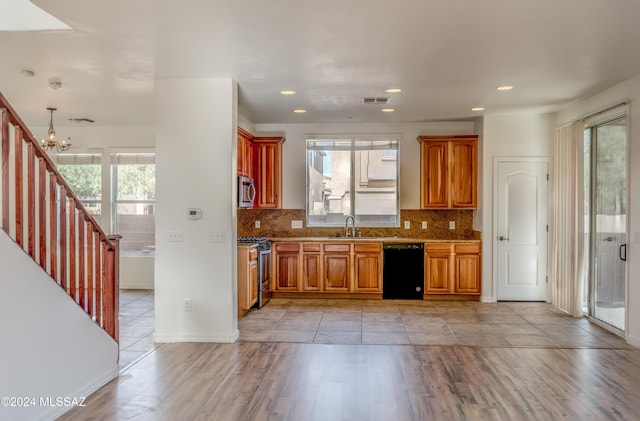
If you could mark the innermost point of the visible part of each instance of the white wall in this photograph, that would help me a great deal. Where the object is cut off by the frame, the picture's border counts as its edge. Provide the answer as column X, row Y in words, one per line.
column 51, row 348
column 196, row 164
column 294, row 153
column 136, row 272
column 628, row 90
column 506, row 135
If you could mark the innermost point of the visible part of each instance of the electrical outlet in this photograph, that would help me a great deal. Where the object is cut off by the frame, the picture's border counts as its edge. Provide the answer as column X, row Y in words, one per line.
column 296, row 224
column 257, row 224
column 407, row 225
column 176, row 236
column 216, row 236
column 424, row 225
column 187, row 305
column 452, row 225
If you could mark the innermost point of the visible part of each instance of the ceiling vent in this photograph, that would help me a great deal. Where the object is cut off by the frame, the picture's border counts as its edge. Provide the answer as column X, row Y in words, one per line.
column 82, row 120
column 375, row 100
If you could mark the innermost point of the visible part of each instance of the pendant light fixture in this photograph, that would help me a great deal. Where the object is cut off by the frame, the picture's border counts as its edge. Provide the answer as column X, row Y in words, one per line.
column 51, row 143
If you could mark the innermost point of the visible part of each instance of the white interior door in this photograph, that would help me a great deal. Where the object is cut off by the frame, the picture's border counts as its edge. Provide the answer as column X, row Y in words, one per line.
column 521, row 230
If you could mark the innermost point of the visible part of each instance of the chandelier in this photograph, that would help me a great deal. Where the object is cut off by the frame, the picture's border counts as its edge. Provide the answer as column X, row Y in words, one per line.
column 51, row 143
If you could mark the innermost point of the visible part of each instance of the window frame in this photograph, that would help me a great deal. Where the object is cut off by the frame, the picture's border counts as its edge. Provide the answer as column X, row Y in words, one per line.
column 354, row 139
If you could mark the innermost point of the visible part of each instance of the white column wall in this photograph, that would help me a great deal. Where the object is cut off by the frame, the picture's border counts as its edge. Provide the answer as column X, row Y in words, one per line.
column 195, row 166
column 506, row 135
column 628, row 90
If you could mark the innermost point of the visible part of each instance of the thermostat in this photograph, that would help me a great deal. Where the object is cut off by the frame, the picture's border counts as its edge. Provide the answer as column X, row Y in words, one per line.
column 194, row 213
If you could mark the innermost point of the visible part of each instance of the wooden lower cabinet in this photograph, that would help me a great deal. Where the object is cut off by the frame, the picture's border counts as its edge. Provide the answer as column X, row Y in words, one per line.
column 337, row 267
column 326, row 267
column 368, row 267
column 287, row 264
column 453, row 270
column 247, row 278
column 311, row 267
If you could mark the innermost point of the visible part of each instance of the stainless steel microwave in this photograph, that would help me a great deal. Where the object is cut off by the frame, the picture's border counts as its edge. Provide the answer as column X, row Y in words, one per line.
column 246, row 192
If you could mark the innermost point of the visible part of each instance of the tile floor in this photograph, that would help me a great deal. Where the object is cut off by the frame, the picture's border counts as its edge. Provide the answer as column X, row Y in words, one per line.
column 332, row 321
column 504, row 324
column 136, row 325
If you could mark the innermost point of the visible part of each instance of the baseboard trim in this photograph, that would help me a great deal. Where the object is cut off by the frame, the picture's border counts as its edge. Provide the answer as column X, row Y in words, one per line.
column 164, row 338
column 53, row 412
column 633, row 341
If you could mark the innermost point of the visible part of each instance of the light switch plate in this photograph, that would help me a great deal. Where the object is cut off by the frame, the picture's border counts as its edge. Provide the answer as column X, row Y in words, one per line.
column 176, row 236
column 452, row 225
column 216, row 236
column 424, row 225
column 257, row 224
column 296, row 224
column 407, row 225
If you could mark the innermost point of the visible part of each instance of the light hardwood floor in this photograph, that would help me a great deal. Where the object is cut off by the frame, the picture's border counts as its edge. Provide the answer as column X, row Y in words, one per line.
column 592, row 374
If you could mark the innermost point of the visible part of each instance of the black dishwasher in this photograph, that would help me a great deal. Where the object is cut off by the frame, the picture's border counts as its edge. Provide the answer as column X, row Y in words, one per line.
column 403, row 271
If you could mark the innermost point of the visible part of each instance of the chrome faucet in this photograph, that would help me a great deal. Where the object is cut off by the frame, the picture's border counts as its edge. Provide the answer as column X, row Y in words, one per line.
column 346, row 226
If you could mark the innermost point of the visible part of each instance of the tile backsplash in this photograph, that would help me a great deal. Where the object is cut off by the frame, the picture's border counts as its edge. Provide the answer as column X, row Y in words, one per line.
column 277, row 223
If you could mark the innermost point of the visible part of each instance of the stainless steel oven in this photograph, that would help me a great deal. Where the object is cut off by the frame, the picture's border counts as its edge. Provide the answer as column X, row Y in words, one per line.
column 264, row 272
column 264, row 267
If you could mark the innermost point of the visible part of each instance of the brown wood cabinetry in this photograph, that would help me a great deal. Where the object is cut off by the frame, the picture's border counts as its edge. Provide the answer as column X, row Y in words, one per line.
column 437, row 277
column 452, row 270
column 449, row 172
column 337, row 267
column 268, row 172
column 245, row 154
column 247, row 278
column 287, row 258
column 311, row 267
column 328, row 267
column 367, row 267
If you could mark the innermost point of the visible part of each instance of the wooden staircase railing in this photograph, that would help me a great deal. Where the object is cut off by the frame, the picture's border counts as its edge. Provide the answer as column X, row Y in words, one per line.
column 42, row 215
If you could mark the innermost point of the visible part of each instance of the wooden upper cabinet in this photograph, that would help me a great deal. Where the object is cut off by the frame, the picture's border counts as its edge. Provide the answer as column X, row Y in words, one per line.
column 268, row 172
column 245, row 153
column 449, row 172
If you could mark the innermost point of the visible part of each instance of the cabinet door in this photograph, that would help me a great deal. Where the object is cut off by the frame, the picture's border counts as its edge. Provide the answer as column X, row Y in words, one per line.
column 467, row 269
column 368, row 270
column 311, row 272
column 245, row 154
column 435, row 185
column 268, row 177
column 286, row 272
column 464, row 173
column 336, row 272
column 438, row 276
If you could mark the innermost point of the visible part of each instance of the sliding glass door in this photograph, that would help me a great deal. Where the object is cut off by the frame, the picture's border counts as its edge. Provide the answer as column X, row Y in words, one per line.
column 606, row 214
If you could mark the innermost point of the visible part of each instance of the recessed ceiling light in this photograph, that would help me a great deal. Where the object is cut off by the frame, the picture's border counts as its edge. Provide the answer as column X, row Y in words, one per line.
column 393, row 90
column 287, row 92
column 477, row 109
column 299, row 111
column 504, row 88
column 388, row 110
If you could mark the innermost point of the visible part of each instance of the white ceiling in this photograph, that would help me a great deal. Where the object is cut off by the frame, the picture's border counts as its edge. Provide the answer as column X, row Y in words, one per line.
column 447, row 56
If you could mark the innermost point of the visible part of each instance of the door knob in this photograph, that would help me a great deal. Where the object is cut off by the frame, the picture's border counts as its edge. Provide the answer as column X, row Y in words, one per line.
column 503, row 238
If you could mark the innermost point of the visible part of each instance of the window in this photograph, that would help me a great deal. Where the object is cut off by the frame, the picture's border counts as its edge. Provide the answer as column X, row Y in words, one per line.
column 355, row 175
column 83, row 173
column 134, row 197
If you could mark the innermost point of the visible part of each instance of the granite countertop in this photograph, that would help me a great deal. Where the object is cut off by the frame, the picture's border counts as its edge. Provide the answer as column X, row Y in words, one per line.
column 376, row 239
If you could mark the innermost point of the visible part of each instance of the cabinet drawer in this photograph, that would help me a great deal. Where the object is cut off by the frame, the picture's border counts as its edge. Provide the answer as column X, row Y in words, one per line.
column 467, row 248
column 287, row 247
column 336, row 248
column 438, row 248
column 367, row 248
column 311, row 247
